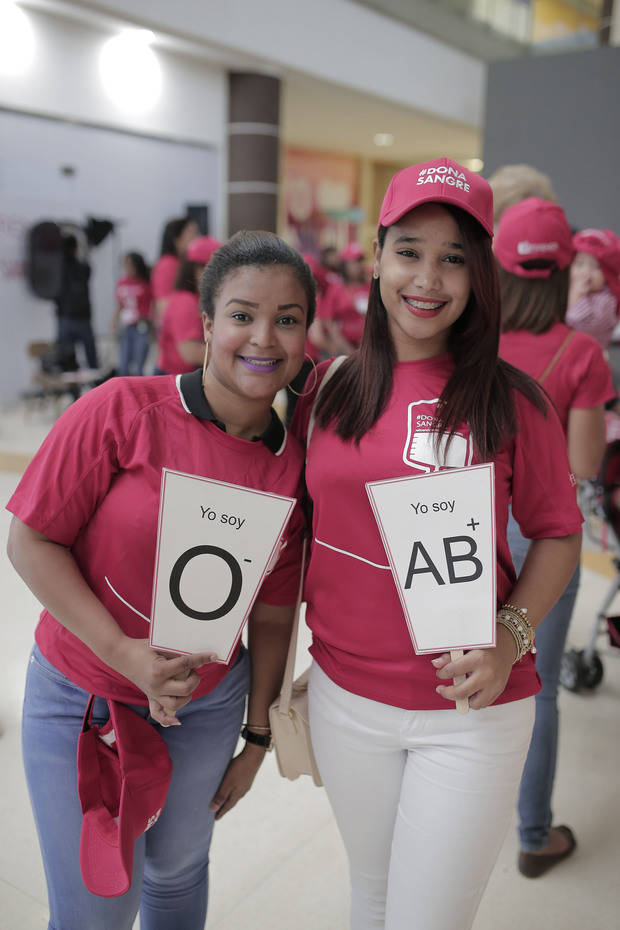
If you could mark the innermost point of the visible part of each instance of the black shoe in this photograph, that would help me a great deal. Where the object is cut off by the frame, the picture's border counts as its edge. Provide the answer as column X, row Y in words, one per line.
column 532, row 865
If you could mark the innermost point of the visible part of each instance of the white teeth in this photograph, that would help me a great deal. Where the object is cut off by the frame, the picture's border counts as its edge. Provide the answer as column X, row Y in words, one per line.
column 265, row 363
column 424, row 305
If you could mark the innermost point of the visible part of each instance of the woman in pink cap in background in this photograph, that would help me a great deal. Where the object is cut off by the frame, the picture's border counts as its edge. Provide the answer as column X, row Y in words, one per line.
column 422, row 794
column 180, row 340
column 534, row 249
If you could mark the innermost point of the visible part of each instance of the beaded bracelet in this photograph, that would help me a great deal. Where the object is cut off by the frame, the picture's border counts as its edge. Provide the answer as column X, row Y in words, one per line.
column 515, row 620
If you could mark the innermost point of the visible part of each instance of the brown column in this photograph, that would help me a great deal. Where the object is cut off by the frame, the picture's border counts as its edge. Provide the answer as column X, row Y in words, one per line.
column 253, row 149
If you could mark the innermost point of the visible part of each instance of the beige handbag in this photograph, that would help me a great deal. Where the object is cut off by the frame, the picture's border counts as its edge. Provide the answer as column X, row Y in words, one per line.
column 288, row 715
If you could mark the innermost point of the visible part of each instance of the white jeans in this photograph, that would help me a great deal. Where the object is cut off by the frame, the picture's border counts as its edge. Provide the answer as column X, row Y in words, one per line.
column 423, row 801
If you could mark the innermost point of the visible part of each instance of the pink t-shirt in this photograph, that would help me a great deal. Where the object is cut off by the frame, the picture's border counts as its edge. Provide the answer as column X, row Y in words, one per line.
column 94, row 486
column 360, row 636
column 164, row 275
column 135, row 299
column 180, row 323
column 581, row 377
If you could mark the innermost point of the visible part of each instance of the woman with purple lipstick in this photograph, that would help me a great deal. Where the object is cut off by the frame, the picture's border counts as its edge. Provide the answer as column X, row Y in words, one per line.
column 83, row 537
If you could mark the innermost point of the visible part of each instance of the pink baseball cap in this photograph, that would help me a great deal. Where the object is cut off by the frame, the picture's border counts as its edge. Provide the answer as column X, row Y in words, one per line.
column 352, row 252
column 604, row 246
column 124, row 772
column 533, row 230
column 201, row 249
column 439, row 181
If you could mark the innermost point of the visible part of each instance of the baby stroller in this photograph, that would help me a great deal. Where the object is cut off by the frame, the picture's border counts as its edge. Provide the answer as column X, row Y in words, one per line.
column 600, row 503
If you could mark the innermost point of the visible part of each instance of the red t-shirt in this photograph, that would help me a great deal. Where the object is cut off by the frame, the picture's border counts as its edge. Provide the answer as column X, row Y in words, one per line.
column 360, row 637
column 94, row 486
column 164, row 275
column 135, row 298
column 581, row 377
column 180, row 323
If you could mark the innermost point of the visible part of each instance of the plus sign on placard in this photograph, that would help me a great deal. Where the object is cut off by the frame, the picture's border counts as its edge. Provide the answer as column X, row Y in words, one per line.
column 442, row 558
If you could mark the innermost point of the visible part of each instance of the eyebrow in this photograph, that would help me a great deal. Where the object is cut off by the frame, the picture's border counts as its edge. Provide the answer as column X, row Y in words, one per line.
column 451, row 245
column 248, row 303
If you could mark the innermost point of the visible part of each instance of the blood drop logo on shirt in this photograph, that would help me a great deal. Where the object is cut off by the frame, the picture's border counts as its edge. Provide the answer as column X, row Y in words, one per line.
column 421, row 450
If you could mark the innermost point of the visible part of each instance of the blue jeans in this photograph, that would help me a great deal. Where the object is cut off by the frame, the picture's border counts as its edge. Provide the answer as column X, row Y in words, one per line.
column 133, row 348
column 170, row 872
column 73, row 331
column 536, row 790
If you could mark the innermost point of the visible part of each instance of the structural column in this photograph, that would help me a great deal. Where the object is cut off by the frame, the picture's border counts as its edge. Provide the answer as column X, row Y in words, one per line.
column 253, row 151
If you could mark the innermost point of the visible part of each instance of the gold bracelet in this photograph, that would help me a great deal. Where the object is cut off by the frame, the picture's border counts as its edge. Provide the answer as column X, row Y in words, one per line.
column 515, row 619
column 517, row 641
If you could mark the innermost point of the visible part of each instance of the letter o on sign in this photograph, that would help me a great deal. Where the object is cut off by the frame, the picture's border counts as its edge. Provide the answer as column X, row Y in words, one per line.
column 235, row 586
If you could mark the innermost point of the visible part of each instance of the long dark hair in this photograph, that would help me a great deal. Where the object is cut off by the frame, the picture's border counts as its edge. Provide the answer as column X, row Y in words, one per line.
column 139, row 266
column 479, row 390
column 534, row 304
column 254, row 249
column 186, row 276
column 172, row 231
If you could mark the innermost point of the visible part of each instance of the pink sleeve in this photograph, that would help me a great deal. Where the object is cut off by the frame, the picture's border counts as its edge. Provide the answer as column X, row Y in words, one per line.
column 163, row 276
column 595, row 385
column 72, row 471
column 544, row 499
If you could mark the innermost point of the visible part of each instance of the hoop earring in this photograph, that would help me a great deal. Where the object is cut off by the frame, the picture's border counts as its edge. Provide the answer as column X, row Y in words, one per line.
column 316, row 378
column 204, row 364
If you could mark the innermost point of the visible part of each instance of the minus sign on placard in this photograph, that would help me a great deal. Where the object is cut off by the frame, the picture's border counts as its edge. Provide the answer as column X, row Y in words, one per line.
column 247, row 560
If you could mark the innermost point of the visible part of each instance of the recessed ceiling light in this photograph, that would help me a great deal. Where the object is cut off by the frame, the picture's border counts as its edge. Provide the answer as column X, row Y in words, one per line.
column 474, row 164
column 384, row 138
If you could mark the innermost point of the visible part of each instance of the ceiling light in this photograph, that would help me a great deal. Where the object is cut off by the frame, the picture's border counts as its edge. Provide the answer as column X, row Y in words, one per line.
column 474, row 164
column 130, row 70
column 16, row 39
column 384, row 138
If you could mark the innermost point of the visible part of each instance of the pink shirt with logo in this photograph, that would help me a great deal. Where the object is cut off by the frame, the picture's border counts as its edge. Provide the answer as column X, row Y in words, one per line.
column 180, row 323
column 581, row 377
column 360, row 636
column 135, row 299
column 94, row 486
column 164, row 275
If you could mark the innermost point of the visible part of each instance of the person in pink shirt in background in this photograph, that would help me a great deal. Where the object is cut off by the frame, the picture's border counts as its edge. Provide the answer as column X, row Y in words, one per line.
column 594, row 293
column 180, row 337
column 356, row 277
column 132, row 318
column 534, row 249
column 177, row 235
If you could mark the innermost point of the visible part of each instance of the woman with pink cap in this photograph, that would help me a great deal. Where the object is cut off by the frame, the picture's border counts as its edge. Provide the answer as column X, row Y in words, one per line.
column 534, row 249
column 423, row 795
column 180, row 340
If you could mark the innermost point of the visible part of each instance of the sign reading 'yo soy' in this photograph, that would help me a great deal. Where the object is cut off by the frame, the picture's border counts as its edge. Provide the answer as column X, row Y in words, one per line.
column 438, row 531
column 215, row 544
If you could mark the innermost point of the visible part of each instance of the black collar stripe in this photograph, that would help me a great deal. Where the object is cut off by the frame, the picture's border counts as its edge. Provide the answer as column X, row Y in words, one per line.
column 194, row 401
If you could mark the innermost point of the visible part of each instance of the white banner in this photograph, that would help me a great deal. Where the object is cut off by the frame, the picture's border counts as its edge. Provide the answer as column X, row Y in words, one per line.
column 438, row 531
column 215, row 544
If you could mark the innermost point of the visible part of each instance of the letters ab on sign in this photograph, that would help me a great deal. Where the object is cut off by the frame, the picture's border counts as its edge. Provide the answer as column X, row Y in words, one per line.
column 215, row 544
column 438, row 531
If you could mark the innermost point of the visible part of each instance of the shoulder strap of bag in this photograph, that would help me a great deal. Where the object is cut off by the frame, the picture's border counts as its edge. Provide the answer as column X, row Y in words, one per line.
column 289, row 671
column 334, row 366
column 556, row 358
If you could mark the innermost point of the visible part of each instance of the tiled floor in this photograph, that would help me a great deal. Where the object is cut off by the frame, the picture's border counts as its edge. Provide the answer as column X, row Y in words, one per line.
column 277, row 860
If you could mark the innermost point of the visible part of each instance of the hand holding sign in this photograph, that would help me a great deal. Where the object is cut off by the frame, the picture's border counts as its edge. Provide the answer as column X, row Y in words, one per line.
column 438, row 531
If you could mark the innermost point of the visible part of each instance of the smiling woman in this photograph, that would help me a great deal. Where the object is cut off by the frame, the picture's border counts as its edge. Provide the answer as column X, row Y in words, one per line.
column 426, row 393
column 84, row 537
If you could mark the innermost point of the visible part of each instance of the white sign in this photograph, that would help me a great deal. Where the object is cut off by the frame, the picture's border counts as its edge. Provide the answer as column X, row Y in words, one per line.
column 439, row 535
column 215, row 544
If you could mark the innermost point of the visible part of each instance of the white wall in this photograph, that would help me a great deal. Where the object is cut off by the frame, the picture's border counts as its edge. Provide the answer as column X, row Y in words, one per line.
column 135, row 181
column 336, row 40
column 64, row 81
